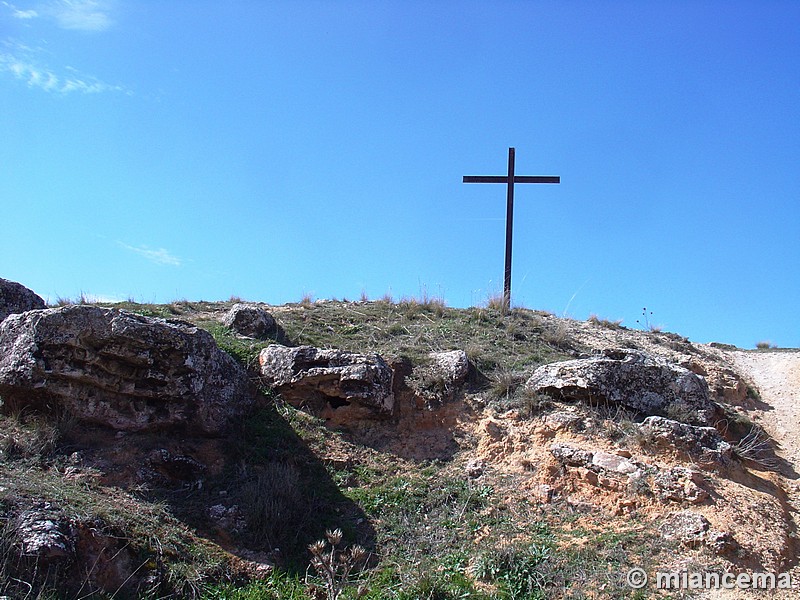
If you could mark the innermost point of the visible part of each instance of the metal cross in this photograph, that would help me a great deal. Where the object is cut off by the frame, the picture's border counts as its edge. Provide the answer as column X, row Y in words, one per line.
column 509, row 180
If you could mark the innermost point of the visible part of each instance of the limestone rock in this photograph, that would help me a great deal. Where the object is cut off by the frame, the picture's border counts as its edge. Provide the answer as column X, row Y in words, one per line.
column 615, row 464
column 703, row 444
column 439, row 380
column 453, row 366
column 315, row 377
column 686, row 527
column 563, row 420
column 693, row 529
column 679, row 484
column 16, row 298
column 568, row 455
column 721, row 542
column 250, row 320
column 121, row 370
column 636, row 380
column 44, row 537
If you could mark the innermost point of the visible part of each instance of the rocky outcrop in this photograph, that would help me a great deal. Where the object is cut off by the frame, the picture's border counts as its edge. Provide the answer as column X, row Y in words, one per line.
column 16, row 298
column 320, row 379
column 702, row 444
column 250, row 320
column 641, row 382
column 122, row 370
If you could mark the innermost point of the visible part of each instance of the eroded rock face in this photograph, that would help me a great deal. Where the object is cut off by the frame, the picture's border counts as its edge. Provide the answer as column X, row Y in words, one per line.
column 308, row 376
column 250, row 321
column 636, row 380
column 703, row 444
column 121, row 370
column 16, row 298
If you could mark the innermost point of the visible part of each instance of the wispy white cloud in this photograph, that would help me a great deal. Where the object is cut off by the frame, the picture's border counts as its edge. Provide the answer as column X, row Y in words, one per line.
column 82, row 15
column 20, row 13
column 160, row 256
column 24, row 14
column 33, row 65
column 21, row 62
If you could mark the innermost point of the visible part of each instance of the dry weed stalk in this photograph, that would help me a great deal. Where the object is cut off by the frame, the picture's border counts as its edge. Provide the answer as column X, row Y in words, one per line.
column 334, row 567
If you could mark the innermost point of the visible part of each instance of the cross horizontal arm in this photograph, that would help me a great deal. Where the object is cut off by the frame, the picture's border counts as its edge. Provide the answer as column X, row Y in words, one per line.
column 517, row 179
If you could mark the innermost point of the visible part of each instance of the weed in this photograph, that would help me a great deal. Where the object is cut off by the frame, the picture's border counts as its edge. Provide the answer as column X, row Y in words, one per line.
column 557, row 336
column 498, row 302
column 274, row 504
column 645, row 320
column 530, row 404
column 517, row 570
column 431, row 383
column 278, row 586
column 756, row 447
column 765, row 345
column 307, row 300
column 595, row 320
column 245, row 351
column 334, row 566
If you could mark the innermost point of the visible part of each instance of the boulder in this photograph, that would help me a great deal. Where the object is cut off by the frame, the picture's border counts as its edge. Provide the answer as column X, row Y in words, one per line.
column 16, row 298
column 318, row 378
column 440, row 379
column 452, row 365
column 250, row 320
column 44, row 537
column 702, row 444
column 636, row 380
column 121, row 370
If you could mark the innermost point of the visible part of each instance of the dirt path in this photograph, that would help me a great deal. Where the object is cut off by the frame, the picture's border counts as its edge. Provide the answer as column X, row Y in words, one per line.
column 776, row 375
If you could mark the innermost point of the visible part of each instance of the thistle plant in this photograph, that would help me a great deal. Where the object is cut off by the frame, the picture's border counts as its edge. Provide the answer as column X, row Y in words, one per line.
column 334, row 566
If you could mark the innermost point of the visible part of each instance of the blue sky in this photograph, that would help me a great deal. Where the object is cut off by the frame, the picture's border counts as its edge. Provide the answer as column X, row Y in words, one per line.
column 198, row 150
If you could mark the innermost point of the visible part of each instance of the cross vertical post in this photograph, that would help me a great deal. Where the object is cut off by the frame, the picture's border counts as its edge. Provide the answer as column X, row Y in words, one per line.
column 509, row 228
column 510, row 180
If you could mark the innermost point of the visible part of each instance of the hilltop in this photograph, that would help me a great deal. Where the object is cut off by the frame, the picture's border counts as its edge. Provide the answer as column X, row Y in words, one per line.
column 515, row 455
